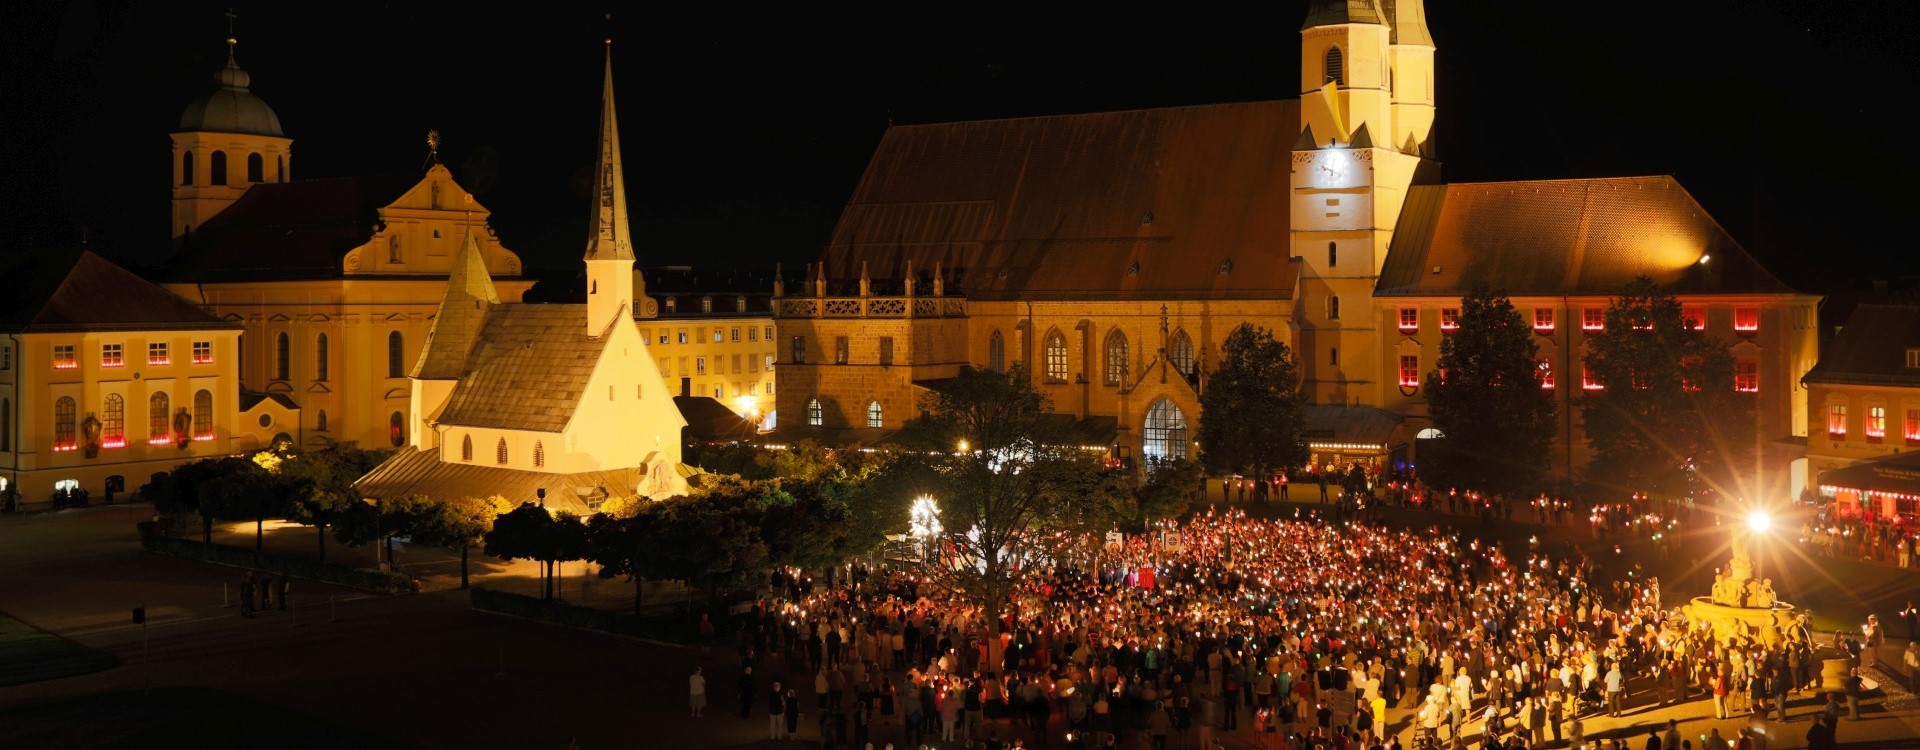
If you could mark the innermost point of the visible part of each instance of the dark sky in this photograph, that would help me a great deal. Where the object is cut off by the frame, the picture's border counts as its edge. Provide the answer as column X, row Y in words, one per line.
column 745, row 128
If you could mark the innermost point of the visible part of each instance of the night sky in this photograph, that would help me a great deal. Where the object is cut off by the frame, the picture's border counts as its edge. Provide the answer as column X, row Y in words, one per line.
column 746, row 128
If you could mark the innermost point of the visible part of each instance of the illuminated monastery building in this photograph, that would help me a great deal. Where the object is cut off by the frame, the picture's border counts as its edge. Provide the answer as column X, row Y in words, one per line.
column 1112, row 253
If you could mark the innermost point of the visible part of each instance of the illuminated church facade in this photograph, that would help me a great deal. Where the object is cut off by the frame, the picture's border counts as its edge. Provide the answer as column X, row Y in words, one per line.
column 1111, row 253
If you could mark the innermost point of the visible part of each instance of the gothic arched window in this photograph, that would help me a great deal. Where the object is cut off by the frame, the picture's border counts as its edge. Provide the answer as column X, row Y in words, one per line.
column 996, row 352
column 873, row 414
column 539, row 454
column 1180, row 353
column 1335, row 65
column 815, row 415
column 1116, row 370
column 1165, row 432
column 466, row 447
column 500, row 451
column 1056, row 357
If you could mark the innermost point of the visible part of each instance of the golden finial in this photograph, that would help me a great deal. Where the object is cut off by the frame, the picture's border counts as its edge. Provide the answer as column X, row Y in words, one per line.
column 433, row 144
column 231, row 39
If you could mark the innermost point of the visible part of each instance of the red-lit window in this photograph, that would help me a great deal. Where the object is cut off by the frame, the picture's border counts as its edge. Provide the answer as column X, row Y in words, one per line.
column 1913, row 427
column 1746, row 376
column 1746, row 319
column 1409, row 319
column 203, row 352
column 1593, row 319
column 63, row 358
column 1545, row 370
column 113, row 355
column 1694, row 318
column 1409, row 371
column 1543, row 319
column 1876, row 427
column 157, row 354
column 1450, row 319
column 1837, row 420
column 1590, row 381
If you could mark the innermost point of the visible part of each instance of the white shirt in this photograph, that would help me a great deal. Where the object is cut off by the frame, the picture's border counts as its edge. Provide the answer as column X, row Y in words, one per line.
column 697, row 685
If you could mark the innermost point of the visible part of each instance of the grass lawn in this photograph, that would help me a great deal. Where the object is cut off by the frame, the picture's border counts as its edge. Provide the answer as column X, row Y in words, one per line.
column 200, row 718
column 31, row 655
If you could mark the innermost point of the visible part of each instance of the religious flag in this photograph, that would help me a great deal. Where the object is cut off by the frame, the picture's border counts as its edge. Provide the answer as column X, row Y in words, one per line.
column 1332, row 93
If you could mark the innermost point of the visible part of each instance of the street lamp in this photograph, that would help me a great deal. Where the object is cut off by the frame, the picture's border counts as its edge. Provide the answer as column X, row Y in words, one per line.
column 924, row 522
column 1759, row 521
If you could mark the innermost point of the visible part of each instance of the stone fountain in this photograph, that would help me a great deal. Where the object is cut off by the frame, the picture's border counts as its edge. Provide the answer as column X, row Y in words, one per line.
column 1742, row 606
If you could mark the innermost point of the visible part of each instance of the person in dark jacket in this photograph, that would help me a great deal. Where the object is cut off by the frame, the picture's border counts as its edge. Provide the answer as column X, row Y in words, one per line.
column 748, row 686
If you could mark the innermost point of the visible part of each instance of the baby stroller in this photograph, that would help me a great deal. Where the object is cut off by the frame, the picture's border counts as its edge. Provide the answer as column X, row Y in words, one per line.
column 1589, row 700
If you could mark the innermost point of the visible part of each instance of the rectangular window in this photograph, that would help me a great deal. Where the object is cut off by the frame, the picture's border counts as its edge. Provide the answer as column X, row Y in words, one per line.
column 666, row 366
column 753, row 334
column 1333, row 356
column 719, row 336
column 203, row 352
column 683, row 367
column 736, row 364
column 720, row 391
column 1913, row 427
column 1409, row 319
column 681, row 335
column 1694, row 318
column 112, row 355
column 663, row 337
column 799, row 355
column 1544, row 369
column 1876, row 427
column 1409, row 371
column 1837, row 420
column 6, row 358
column 1746, row 376
column 886, row 350
column 734, row 334
column 839, row 350
column 769, row 333
column 1746, row 319
column 1913, row 359
column 63, row 357
column 699, row 365
column 768, row 361
column 157, row 354
column 1589, row 381
column 1450, row 319
column 769, row 387
column 1543, row 319
column 1593, row 319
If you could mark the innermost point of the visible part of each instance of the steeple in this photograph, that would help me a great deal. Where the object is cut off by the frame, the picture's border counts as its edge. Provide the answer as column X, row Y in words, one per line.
column 610, row 276
column 463, row 312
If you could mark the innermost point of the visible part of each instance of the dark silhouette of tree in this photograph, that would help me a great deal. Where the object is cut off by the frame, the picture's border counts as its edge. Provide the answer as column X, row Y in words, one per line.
column 1484, row 395
column 1252, row 413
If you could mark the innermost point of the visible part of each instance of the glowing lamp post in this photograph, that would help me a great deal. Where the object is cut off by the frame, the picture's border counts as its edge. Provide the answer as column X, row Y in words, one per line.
column 924, row 522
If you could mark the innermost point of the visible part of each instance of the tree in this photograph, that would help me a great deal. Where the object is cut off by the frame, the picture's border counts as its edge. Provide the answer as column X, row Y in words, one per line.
column 530, row 532
column 1666, row 409
column 635, row 545
column 1253, row 414
column 237, row 489
column 458, row 525
column 326, row 480
column 1022, row 477
column 178, row 492
column 1485, row 397
column 1163, row 494
column 378, row 521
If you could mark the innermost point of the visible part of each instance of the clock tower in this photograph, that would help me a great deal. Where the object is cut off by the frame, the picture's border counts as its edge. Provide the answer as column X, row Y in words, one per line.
column 1349, row 178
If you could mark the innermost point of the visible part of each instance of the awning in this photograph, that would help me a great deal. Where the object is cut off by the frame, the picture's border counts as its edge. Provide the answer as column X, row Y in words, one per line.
column 1353, row 428
column 829, row 437
column 1897, row 475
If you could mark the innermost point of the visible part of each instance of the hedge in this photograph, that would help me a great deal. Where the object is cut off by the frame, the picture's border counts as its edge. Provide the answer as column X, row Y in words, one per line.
column 675, row 628
column 378, row 581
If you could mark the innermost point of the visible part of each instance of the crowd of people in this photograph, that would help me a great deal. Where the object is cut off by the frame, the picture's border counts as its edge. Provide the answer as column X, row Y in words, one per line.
column 1303, row 632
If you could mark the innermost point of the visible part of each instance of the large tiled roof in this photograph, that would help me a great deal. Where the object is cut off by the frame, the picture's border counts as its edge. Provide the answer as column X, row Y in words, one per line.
column 416, row 472
column 458, row 321
column 79, row 291
column 289, row 230
column 1872, row 348
column 1572, row 237
column 1143, row 204
column 527, row 370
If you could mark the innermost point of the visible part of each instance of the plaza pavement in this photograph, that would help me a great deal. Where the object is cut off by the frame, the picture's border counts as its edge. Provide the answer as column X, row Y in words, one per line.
column 427, row 671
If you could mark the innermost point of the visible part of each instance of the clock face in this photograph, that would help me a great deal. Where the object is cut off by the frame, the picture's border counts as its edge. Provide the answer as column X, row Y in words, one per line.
column 1333, row 167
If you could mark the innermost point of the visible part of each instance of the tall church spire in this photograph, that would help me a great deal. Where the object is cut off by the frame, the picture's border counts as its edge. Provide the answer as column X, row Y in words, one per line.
column 610, row 276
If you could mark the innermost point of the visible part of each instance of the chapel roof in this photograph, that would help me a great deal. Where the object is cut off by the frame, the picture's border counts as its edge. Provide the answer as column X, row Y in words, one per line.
column 527, row 369
column 289, row 230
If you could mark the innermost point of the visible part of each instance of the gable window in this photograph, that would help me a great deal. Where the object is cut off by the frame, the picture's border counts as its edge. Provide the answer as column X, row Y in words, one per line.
column 320, row 358
column 1116, row 370
column 539, row 454
column 63, row 358
column 1837, row 421
column 1746, row 319
column 256, row 168
column 739, row 305
column 886, row 350
column 203, row 416
column 159, row 414
column 706, row 305
column 1333, row 67
column 1056, row 357
column 397, row 429
column 1544, row 370
column 217, row 168
column 112, row 355
column 1450, row 319
column 113, row 425
column 839, row 350
column 65, row 411
column 673, row 306
column 396, row 355
column 466, row 447
column 1543, row 319
column 815, row 415
column 1746, row 376
column 1593, row 319
column 873, row 414
column 1693, row 318
column 282, row 357
column 1876, row 426
column 1180, row 353
column 157, row 354
column 500, row 451
column 1409, row 371
column 1913, row 359
column 996, row 352
column 1409, row 319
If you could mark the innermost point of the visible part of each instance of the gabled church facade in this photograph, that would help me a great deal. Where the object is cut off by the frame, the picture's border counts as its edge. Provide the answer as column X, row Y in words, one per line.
column 559, row 403
column 1111, row 253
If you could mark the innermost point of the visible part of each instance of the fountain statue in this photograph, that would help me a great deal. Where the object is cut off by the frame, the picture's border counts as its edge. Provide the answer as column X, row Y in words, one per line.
column 1741, row 606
